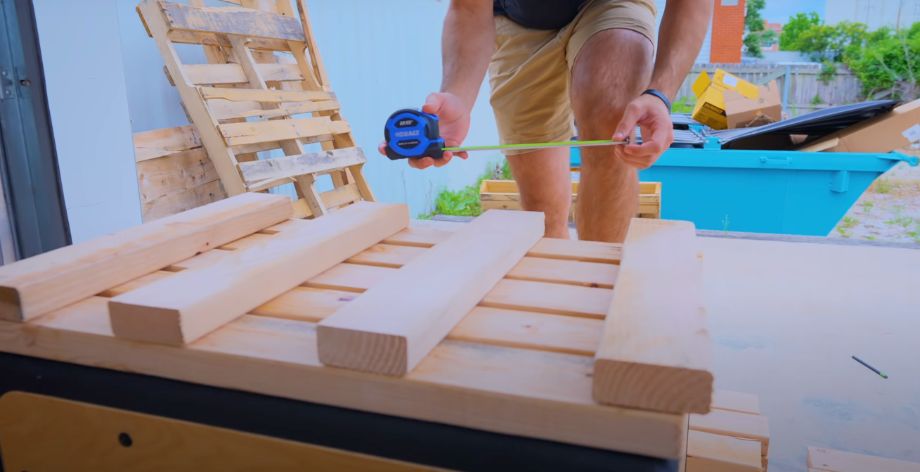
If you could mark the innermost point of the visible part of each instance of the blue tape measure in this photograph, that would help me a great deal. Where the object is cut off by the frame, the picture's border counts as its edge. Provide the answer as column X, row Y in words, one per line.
column 412, row 134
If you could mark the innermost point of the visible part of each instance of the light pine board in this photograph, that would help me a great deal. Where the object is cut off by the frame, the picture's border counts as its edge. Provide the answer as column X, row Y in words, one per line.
column 655, row 350
column 54, row 279
column 393, row 325
column 188, row 305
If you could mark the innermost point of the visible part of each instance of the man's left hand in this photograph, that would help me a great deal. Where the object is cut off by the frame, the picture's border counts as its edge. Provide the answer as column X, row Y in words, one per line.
column 653, row 118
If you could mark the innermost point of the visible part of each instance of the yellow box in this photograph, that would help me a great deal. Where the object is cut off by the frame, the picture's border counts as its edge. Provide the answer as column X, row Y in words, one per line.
column 727, row 101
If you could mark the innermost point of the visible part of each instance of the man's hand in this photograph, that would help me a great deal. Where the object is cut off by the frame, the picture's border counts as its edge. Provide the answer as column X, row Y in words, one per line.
column 654, row 119
column 453, row 123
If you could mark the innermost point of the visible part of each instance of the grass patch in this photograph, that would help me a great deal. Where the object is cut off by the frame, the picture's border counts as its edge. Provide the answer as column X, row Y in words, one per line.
column 845, row 225
column 882, row 186
column 902, row 221
column 465, row 201
column 867, row 206
column 683, row 105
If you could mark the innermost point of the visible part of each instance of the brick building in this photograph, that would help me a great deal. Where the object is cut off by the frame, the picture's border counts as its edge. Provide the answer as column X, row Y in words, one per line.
column 727, row 31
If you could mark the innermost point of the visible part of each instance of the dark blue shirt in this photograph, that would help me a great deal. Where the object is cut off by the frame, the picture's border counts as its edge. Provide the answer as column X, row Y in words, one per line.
column 539, row 14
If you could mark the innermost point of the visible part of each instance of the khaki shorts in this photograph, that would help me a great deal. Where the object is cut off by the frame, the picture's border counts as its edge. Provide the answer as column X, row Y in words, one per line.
column 530, row 69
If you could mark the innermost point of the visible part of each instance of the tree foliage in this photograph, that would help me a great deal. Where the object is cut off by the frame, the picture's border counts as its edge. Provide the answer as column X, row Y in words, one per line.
column 886, row 61
column 793, row 29
column 753, row 23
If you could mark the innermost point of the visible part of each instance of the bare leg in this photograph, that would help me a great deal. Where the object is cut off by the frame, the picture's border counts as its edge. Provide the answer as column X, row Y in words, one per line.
column 545, row 182
column 611, row 69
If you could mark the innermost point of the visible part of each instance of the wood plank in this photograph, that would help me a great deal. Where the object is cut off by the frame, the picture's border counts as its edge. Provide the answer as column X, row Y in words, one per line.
column 138, row 282
column 246, row 110
column 655, row 352
column 307, row 163
column 165, row 141
column 429, row 233
column 262, row 131
column 831, row 460
column 169, row 312
column 503, row 390
column 734, row 424
column 263, row 95
column 510, row 328
column 589, row 274
column 357, row 336
column 528, row 330
column 176, row 173
column 230, row 73
column 201, row 260
column 39, row 284
column 707, row 452
column 387, row 255
column 230, row 20
column 182, row 200
column 588, row 302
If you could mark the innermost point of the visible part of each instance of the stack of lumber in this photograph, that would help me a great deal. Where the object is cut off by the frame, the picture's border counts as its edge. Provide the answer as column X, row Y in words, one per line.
column 829, row 460
column 264, row 88
column 733, row 437
column 483, row 325
column 504, row 195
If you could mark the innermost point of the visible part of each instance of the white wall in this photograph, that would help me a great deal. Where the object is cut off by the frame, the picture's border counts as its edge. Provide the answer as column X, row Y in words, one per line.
column 874, row 13
column 85, row 80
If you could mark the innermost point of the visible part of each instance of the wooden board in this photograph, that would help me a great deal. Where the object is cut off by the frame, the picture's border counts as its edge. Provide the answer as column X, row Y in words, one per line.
column 707, row 452
column 237, row 21
column 184, row 307
column 655, row 350
column 470, row 262
column 86, row 437
column 54, row 279
column 829, row 460
column 164, row 142
column 292, row 166
column 515, row 391
column 734, row 424
column 260, row 131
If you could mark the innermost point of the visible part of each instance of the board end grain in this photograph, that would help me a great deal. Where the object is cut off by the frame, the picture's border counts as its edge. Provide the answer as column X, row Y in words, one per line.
column 363, row 351
column 664, row 389
column 146, row 323
column 10, row 305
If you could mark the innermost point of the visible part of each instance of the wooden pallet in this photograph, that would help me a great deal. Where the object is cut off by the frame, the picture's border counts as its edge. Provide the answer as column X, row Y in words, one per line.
column 504, row 195
column 264, row 74
column 174, row 172
column 478, row 326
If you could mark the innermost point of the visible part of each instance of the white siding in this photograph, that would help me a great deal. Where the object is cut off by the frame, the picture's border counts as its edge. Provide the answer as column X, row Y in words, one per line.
column 89, row 114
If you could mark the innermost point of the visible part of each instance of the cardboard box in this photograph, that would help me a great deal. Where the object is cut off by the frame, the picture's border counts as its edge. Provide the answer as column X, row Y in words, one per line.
column 726, row 101
column 891, row 131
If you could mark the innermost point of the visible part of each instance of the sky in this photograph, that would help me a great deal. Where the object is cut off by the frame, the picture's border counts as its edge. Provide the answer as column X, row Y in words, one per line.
column 779, row 11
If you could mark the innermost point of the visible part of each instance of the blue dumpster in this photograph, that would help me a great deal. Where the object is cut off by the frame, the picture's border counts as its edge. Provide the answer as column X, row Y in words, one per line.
column 788, row 192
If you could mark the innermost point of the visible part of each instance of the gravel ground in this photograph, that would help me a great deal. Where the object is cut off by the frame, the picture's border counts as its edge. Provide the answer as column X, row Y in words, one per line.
column 888, row 211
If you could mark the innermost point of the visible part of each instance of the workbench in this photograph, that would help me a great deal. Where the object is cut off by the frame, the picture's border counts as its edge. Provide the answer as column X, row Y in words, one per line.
column 750, row 285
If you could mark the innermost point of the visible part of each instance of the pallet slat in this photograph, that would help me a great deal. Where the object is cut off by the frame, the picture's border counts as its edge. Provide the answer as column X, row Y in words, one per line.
column 182, row 308
column 307, row 163
column 235, row 21
column 263, row 95
column 476, row 257
column 655, row 351
column 236, row 134
column 163, row 142
column 225, row 74
column 734, row 424
column 42, row 283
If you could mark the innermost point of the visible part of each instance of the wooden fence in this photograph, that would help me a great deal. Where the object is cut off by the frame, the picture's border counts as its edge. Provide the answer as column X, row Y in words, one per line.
column 799, row 84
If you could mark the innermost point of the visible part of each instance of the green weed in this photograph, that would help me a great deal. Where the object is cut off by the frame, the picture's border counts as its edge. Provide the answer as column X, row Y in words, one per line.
column 883, row 186
column 848, row 222
column 902, row 221
column 870, row 237
column 867, row 206
column 465, row 201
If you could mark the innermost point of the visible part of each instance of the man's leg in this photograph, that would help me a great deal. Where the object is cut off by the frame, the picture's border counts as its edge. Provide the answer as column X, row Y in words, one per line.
column 545, row 183
column 612, row 68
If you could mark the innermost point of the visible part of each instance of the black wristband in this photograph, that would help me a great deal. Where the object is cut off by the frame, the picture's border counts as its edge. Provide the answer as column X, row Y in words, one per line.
column 661, row 96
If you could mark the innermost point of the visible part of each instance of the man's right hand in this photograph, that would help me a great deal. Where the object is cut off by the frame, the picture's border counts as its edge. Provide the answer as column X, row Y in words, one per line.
column 454, row 124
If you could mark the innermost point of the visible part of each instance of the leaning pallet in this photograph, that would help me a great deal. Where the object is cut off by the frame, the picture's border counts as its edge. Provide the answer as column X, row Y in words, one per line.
column 485, row 325
column 264, row 74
